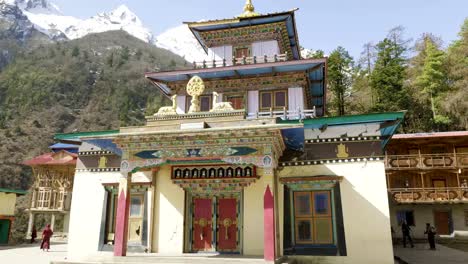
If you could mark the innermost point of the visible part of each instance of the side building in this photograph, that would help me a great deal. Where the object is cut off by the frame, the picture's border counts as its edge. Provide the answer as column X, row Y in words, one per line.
column 7, row 212
column 51, row 191
column 427, row 179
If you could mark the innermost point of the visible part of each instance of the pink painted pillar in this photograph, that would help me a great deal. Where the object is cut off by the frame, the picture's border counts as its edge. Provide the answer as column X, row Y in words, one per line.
column 268, row 226
column 121, row 225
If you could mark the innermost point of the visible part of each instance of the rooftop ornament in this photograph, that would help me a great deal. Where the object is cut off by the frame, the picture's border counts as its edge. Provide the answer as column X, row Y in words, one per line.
column 168, row 110
column 195, row 88
column 249, row 10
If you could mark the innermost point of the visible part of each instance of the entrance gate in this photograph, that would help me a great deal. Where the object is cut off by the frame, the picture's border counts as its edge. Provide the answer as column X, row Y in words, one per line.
column 214, row 223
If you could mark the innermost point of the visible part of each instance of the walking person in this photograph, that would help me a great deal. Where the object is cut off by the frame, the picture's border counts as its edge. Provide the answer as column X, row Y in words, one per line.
column 46, row 234
column 406, row 231
column 430, row 232
column 33, row 234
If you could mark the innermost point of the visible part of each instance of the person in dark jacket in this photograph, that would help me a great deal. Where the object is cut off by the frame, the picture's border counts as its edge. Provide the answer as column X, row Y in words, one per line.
column 430, row 232
column 406, row 231
column 33, row 234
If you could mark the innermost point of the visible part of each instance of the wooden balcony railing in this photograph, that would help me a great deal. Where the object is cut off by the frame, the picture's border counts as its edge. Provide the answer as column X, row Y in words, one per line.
column 240, row 61
column 427, row 161
column 284, row 114
column 430, row 195
column 50, row 199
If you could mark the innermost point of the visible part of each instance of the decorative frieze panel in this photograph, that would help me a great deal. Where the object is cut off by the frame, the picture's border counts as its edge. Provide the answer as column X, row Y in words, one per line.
column 213, row 172
column 311, row 182
column 277, row 81
column 195, row 152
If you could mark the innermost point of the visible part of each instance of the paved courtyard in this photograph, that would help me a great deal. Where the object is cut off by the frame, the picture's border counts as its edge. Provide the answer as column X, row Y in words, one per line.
column 420, row 254
column 27, row 254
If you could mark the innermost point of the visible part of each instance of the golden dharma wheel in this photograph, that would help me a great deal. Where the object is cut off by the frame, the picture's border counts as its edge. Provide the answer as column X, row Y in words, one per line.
column 195, row 86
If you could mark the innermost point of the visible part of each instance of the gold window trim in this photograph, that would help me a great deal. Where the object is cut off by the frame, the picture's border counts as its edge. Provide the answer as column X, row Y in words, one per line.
column 273, row 100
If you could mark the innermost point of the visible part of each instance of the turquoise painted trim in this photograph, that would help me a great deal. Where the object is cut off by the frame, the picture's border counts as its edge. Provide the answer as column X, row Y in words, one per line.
column 20, row 192
column 78, row 135
column 353, row 119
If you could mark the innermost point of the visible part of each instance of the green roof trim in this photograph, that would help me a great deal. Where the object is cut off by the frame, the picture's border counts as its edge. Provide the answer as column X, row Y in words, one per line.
column 4, row 190
column 353, row 119
column 78, row 135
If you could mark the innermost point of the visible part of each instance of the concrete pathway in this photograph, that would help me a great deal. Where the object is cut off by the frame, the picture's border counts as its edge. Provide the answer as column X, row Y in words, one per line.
column 421, row 254
column 31, row 254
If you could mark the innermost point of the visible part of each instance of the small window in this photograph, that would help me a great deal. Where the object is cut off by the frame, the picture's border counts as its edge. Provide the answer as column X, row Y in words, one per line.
column 205, row 103
column 407, row 216
column 273, row 99
column 242, row 52
column 237, row 101
column 136, row 206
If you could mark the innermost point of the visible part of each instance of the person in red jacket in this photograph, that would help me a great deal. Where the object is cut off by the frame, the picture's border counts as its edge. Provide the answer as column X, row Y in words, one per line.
column 46, row 235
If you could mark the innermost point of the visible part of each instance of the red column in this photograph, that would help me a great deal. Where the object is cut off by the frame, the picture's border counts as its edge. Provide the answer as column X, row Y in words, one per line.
column 269, row 226
column 121, row 225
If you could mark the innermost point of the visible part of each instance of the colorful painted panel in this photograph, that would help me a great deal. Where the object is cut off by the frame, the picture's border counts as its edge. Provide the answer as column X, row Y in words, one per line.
column 227, row 224
column 202, row 224
column 195, row 152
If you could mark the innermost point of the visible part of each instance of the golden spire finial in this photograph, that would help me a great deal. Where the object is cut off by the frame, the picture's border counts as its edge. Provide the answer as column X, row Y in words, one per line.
column 249, row 10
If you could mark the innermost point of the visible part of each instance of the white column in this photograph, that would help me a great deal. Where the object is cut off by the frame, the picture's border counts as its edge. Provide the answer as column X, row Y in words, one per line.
column 52, row 222
column 66, row 222
column 30, row 224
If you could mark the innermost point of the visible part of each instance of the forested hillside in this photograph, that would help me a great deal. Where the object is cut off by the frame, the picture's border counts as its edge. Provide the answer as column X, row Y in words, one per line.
column 93, row 83
column 425, row 77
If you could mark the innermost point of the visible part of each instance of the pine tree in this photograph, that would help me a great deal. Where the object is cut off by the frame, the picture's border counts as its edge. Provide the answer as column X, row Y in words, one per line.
column 388, row 76
column 340, row 66
column 432, row 79
column 456, row 102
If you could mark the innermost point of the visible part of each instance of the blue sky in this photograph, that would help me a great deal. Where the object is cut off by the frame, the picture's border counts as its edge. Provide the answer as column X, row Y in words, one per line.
column 321, row 24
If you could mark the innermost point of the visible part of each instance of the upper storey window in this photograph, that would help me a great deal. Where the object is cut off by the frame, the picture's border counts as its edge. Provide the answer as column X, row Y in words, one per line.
column 277, row 100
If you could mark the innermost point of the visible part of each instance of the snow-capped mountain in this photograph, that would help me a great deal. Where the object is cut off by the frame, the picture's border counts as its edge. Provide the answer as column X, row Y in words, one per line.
column 181, row 41
column 48, row 18
column 13, row 23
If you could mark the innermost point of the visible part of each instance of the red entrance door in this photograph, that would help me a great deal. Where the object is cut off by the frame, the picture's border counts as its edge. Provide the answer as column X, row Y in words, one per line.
column 227, row 225
column 202, row 224
column 441, row 220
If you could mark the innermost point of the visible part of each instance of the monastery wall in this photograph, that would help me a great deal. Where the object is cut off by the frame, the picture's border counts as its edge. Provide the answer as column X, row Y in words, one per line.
column 168, row 235
column 365, row 210
column 7, row 203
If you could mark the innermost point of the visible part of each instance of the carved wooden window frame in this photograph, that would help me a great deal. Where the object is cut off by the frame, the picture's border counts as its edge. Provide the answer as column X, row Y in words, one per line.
column 313, row 217
column 273, row 100
column 235, row 48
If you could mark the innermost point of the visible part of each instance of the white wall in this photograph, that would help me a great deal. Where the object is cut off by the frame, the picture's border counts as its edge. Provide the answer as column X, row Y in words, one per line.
column 365, row 210
column 252, row 102
column 87, row 212
column 219, row 53
column 295, row 98
column 168, row 234
column 180, row 100
column 262, row 48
